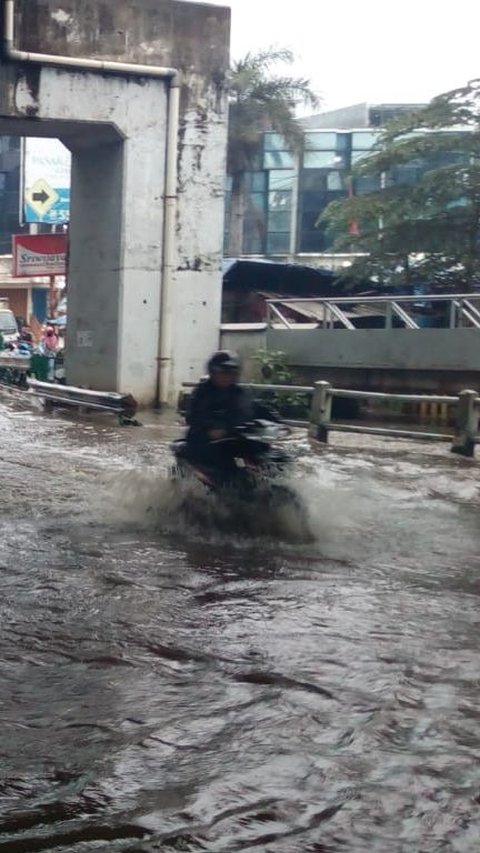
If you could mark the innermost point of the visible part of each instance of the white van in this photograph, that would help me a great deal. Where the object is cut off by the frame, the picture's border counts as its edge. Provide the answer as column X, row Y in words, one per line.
column 8, row 326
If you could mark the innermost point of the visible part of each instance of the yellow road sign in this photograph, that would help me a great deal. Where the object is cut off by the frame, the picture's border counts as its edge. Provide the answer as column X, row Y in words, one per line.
column 41, row 197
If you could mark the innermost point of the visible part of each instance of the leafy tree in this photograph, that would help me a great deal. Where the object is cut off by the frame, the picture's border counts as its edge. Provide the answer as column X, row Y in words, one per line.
column 260, row 100
column 421, row 221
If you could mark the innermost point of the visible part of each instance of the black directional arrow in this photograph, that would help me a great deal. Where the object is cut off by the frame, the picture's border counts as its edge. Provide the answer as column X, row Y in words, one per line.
column 41, row 197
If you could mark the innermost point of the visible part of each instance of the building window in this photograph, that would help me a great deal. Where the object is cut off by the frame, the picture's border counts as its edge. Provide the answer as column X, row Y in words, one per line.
column 277, row 160
column 366, row 184
column 276, row 153
column 324, row 160
column 274, row 142
column 313, row 237
column 278, row 243
column 254, row 228
column 335, row 181
column 320, row 141
column 279, row 220
column 280, row 199
column 406, row 174
column 362, row 144
column 281, row 180
column 257, row 181
column 255, row 212
column 313, row 180
column 364, row 140
column 253, row 242
column 357, row 156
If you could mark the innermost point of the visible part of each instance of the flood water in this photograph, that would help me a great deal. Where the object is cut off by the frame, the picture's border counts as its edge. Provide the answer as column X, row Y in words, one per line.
column 168, row 687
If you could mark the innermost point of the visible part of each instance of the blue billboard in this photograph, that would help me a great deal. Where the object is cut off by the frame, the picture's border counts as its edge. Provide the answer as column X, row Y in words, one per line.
column 46, row 182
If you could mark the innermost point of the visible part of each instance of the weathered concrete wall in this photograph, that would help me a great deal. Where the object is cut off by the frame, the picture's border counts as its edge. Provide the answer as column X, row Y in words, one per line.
column 245, row 339
column 408, row 360
column 400, row 349
column 192, row 37
column 200, row 223
column 116, row 128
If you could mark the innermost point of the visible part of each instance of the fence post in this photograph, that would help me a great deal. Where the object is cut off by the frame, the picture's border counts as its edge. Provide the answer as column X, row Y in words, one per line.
column 467, row 424
column 321, row 413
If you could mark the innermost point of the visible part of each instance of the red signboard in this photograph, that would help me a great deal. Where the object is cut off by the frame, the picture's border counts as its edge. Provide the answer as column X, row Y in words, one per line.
column 39, row 254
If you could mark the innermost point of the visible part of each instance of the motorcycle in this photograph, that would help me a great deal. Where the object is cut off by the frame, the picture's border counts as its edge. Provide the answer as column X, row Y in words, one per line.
column 250, row 475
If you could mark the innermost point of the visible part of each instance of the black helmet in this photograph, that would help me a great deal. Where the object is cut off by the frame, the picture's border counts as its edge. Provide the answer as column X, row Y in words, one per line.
column 223, row 360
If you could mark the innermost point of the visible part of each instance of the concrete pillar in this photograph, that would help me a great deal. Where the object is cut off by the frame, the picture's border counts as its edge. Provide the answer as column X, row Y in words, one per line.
column 116, row 247
column 114, row 282
column 466, row 432
column 321, row 414
column 95, row 277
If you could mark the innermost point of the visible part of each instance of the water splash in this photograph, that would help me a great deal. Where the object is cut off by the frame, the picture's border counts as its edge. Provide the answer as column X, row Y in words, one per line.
column 153, row 500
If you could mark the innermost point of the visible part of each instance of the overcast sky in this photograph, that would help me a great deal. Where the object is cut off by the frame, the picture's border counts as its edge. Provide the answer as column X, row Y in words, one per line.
column 367, row 50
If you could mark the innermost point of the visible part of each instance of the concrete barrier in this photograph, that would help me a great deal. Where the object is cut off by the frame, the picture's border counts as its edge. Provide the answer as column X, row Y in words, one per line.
column 67, row 396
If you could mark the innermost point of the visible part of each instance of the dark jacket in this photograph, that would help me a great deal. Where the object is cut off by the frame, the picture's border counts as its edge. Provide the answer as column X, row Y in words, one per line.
column 217, row 408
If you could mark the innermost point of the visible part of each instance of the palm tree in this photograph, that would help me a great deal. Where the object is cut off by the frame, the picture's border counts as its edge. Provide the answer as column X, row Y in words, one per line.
column 260, row 101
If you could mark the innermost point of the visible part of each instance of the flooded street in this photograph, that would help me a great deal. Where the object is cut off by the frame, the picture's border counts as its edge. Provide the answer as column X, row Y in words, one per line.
column 172, row 688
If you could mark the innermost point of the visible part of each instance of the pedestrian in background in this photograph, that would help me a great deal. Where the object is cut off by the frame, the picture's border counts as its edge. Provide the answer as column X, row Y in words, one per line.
column 50, row 341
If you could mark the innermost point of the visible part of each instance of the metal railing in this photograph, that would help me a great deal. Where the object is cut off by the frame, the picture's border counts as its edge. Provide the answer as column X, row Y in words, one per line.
column 16, row 373
column 460, row 310
column 320, row 424
column 467, row 416
column 66, row 396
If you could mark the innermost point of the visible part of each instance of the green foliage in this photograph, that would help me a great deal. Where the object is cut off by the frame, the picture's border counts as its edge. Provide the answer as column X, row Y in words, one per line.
column 262, row 100
column 424, row 229
column 273, row 367
column 274, row 370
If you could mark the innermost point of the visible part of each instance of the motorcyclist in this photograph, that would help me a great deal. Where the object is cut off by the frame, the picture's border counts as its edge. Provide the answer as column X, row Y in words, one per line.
column 218, row 406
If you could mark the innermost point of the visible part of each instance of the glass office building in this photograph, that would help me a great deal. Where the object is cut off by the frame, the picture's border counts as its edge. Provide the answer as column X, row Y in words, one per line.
column 286, row 194
column 285, row 197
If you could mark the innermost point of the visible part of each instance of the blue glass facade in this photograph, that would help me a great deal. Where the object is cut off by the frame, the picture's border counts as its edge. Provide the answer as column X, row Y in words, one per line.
column 286, row 196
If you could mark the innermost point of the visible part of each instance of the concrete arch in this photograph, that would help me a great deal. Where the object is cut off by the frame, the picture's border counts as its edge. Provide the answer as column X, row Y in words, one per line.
column 116, row 126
